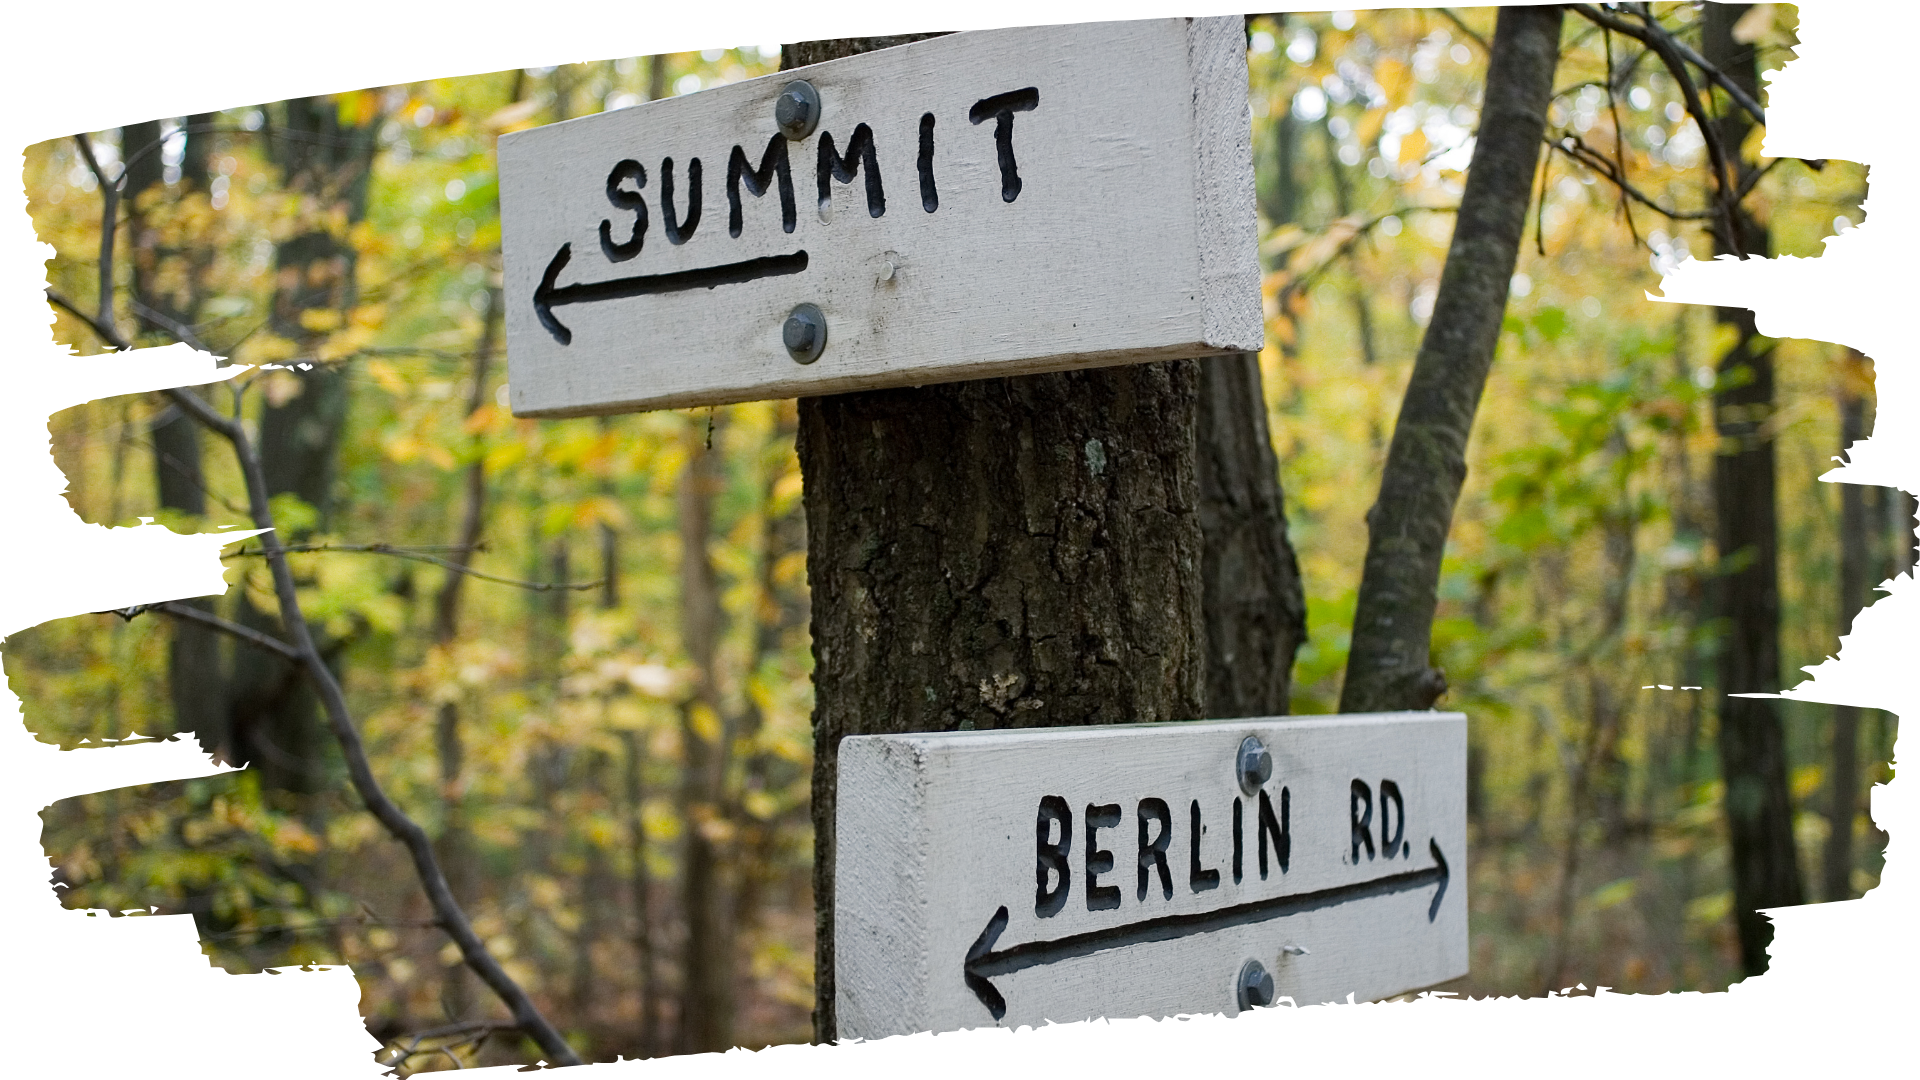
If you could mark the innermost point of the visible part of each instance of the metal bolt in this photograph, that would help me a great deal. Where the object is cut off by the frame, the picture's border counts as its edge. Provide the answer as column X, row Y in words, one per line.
column 797, row 109
column 1295, row 950
column 805, row 333
column 1253, row 764
column 1255, row 986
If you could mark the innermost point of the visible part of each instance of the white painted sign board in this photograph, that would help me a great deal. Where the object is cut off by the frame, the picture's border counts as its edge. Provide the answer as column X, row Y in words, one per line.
column 1006, row 878
column 996, row 202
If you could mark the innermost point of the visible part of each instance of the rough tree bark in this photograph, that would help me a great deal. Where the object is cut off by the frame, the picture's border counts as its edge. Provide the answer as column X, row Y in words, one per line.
column 1254, row 608
column 1018, row 552
column 1388, row 667
column 1746, row 593
column 272, row 711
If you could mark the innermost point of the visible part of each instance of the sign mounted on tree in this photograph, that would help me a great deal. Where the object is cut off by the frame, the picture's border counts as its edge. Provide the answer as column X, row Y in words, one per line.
column 1012, row 877
column 989, row 203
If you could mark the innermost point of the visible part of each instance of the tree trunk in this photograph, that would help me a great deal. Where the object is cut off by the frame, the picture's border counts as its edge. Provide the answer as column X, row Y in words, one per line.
column 706, row 1004
column 1254, row 608
column 1388, row 667
column 1843, row 784
column 194, row 684
column 1753, row 752
column 1014, row 552
column 455, row 843
column 273, row 714
column 641, row 887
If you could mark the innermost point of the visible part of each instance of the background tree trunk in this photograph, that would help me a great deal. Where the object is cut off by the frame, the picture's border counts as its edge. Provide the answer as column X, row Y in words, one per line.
column 1753, row 751
column 195, row 687
column 273, row 714
column 707, row 967
column 1252, row 602
column 1843, row 783
column 1388, row 666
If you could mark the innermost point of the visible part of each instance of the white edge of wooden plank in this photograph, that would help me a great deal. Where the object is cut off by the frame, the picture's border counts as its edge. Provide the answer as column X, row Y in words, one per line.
column 887, row 861
column 1227, row 226
column 801, row 386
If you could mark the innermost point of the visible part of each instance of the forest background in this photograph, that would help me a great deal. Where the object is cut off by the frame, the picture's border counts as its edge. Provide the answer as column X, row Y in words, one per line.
column 625, row 790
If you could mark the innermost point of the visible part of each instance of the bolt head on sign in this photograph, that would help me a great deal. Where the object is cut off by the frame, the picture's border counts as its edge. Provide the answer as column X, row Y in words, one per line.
column 1008, row 878
column 990, row 203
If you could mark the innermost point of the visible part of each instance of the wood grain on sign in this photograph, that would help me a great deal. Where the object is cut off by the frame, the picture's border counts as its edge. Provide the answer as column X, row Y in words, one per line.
column 997, row 202
column 1344, row 873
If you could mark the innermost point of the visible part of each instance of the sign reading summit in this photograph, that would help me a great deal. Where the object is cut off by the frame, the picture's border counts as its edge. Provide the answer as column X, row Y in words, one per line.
column 988, row 203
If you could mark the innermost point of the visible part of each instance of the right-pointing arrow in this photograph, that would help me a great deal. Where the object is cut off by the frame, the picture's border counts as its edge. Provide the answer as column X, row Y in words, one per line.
column 983, row 960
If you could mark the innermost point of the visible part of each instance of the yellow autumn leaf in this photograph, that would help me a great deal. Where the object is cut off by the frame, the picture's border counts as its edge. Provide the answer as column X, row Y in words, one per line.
column 1368, row 129
column 704, row 722
column 269, row 348
column 1413, row 148
column 320, row 320
column 386, row 375
column 1394, row 77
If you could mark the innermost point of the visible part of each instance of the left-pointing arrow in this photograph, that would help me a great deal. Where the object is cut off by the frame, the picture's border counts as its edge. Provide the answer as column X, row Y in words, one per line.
column 550, row 295
column 983, row 960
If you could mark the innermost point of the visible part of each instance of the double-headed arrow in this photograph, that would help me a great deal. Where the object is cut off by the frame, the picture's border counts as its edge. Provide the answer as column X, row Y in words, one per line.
column 983, row 961
column 550, row 295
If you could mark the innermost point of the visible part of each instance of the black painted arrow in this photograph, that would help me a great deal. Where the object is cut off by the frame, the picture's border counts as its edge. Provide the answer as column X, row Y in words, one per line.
column 982, row 961
column 549, row 295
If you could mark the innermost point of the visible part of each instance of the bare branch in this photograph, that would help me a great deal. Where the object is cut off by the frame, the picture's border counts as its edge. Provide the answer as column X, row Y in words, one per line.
column 171, row 326
column 1657, row 38
column 1619, row 138
column 109, row 218
column 395, row 820
column 1472, row 34
column 189, row 613
column 421, row 555
column 1305, row 281
column 105, row 333
column 1576, row 150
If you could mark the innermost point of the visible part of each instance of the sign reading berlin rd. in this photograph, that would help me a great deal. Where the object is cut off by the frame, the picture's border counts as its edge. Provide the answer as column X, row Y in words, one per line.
column 989, row 203
column 1012, row 877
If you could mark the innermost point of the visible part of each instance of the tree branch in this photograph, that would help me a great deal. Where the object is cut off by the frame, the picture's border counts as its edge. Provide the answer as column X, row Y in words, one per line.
column 1656, row 37
column 422, row 556
column 1361, row 231
column 180, row 333
column 109, row 219
column 1467, row 30
column 105, row 333
column 1575, row 149
column 396, row 822
column 189, row 613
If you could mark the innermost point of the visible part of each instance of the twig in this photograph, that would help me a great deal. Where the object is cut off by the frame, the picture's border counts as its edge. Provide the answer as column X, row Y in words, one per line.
column 105, row 333
column 421, row 555
column 1619, row 137
column 1305, row 281
column 1670, row 57
column 189, row 613
column 1574, row 148
column 1472, row 34
column 171, row 326
column 403, row 828
column 109, row 218
column 1656, row 37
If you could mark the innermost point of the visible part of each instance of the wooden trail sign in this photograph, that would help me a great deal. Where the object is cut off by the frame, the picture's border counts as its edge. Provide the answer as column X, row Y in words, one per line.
column 988, row 203
column 1012, row 877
